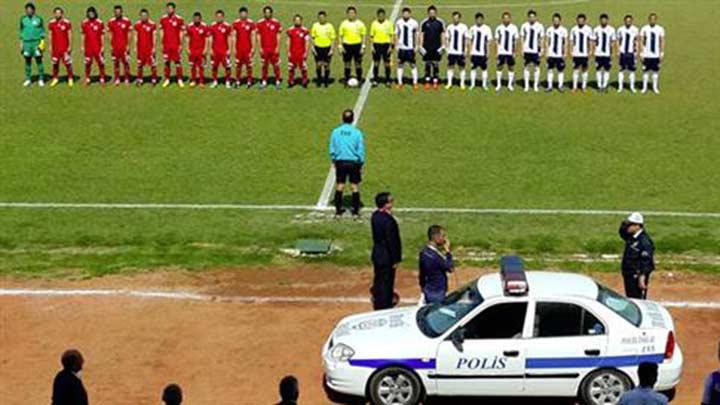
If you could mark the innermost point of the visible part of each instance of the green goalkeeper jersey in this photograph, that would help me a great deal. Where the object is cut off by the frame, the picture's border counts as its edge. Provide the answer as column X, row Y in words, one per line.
column 31, row 28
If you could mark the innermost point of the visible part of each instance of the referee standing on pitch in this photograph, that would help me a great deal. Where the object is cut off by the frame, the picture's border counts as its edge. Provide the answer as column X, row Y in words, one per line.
column 347, row 152
column 386, row 251
column 637, row 261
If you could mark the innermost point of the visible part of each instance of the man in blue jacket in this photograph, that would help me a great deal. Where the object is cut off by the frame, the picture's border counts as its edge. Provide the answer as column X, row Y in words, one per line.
column 436, row 262
column 347, row 152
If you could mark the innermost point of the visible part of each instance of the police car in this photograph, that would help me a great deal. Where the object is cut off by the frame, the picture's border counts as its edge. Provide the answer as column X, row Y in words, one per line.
column 513, row 333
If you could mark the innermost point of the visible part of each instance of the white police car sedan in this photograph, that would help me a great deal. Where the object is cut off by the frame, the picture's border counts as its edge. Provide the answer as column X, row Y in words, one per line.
column 508, row 334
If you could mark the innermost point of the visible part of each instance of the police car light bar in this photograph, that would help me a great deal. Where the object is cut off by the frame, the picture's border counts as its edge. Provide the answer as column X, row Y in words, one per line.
column 513, row 276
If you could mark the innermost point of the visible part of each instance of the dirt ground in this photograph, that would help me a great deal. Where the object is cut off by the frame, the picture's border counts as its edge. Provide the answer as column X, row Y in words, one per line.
column 235, row 353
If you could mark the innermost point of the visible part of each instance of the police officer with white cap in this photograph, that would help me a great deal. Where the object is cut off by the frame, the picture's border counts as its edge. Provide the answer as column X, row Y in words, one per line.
column 637, row 261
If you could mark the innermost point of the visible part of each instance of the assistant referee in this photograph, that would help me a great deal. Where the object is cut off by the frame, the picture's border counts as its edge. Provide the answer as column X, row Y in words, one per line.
column 323, row 36
column 347, row 152
column 382, row 31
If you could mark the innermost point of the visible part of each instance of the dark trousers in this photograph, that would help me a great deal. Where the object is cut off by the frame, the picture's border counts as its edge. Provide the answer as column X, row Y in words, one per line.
column 383, row 286
column 632, row 287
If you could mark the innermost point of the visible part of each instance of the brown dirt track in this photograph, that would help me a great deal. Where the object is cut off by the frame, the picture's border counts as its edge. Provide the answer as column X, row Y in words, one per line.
column 234, row 353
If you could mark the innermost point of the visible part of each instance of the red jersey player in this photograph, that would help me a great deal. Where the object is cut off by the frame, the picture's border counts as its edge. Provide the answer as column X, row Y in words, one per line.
column 172, row 26
column 145, row 38
column 268, row 34
column 93, row 40
column 197, row 33
column 61, row 39
column 220, row 31
column 244, row 48
column 297, row 45
column 120, row 27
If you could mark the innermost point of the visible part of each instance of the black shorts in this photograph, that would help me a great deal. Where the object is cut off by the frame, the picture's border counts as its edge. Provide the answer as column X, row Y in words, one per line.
column 345, row 171
column 603, row 63
column 432, row 56
column 556, row 63
column 458, row 60
column 508, row 60
column 381, row 52
column 352, row 53
column 322, row 54
column 651, row 64
column 580, row 62
column 627, row 62
column 532, row 58
column 477, row 61
column 406, row 56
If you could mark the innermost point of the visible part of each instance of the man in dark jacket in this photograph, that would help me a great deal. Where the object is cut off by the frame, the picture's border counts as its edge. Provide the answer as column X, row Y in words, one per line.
column 289, row 391
column 68, row 389
column 386, row 251
column 637, row 261
column 435, row 263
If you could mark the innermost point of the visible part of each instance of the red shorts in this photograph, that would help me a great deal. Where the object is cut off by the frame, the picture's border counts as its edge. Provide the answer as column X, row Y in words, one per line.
column 121, row 54
column 221, row 59
column 297, row 61
column 270, row 57
column 243, row 58
column 61, row 55
column 171, row 55
column 196, row 59
column 146, row 58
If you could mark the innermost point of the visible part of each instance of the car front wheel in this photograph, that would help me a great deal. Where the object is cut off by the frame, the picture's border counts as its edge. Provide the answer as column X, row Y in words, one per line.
column 395, row 386
column 604, row 387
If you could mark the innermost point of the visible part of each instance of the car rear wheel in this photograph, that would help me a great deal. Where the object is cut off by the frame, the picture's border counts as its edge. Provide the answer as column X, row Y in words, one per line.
column 395, row 386
column 604, row 387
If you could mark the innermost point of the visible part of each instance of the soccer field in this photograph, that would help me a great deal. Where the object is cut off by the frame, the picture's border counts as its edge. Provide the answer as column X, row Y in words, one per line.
column 436, row 149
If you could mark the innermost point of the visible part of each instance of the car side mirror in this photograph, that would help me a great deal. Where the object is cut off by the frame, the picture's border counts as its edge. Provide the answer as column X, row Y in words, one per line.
column 458, row 338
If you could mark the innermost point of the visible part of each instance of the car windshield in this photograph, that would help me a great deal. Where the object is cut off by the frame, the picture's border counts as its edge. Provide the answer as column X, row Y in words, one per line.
column 433, row 320
column 620, row 305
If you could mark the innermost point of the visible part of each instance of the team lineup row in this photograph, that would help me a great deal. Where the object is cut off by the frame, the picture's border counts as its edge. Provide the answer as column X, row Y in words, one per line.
column 397, row 42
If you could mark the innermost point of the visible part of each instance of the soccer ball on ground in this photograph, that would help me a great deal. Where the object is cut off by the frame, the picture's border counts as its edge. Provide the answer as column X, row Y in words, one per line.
column 353, row 82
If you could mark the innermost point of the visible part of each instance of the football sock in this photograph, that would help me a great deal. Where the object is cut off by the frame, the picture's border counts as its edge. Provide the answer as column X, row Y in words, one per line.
column 655, row 77
column 473, row 77
column 499, row 79
column 575, row 76
column 304, row 75
column 621, row 79
column 606, row 79
column 599, row 78
column 400, row 75
column 376, row 71
column 319, row 74
column 537, row 78
column 414, row 72
column 584, row 80
column 645, row 81
column 338, row 202
column 116, row 70
column 427, row 73
column 632, row 80
column 356, row 203
column 327, row 75
column 347, row 74
column 450, row 77
column 126, row 69
column 387, row 73
column 40, row 67
column 511, row 79
column 278, row 73
column 291, row 76
column 526, row 77
column 55, row 70
column 28, row 68
column 561, row 79
column 215, row 72
column 359, row 74
column 88, row 67
column 462, row 78
column 550, row 75
column 167, row 70
column 264, row 72
column 484, row 78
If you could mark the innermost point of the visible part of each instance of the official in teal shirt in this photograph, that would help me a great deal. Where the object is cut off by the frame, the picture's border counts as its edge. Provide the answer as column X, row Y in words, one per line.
column 32, row 43
column 347, row 152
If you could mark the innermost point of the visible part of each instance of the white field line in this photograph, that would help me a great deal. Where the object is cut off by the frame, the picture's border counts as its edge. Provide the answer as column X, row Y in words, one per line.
column 191, row 296
column 322, row 201
column 290, row 207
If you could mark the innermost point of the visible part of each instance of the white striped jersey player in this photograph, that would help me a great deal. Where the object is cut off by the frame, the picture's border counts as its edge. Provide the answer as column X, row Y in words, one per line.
column 604, row 37
column 627, row 48
column 480, row 37
column 506, row 37
column 580, row 38
column 456, row 35
column 532, row 35
column 652, row 39
column 556, row 46
column 406, row 32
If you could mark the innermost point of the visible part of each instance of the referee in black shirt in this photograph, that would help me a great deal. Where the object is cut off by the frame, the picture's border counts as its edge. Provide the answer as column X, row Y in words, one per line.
column 386, row 251
column 431, row 43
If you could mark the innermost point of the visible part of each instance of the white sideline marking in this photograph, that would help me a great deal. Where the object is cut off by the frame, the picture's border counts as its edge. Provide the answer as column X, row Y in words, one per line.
column 190, row 296
column 322, row 201
column 289, row 207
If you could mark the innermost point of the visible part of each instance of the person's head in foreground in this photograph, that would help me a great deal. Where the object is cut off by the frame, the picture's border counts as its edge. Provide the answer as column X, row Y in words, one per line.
column 384, row 201
column 648, row 374
column 348, row 116
column 72, row 360
column 437, row 235
column 635, row 222
column 172, row 395
column 289, row 389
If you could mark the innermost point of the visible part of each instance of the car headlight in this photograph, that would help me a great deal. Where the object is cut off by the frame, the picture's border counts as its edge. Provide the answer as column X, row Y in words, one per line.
column 341, row 352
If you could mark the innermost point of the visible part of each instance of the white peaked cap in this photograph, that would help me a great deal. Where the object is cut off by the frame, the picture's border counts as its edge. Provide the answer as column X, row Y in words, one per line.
column 636, row 218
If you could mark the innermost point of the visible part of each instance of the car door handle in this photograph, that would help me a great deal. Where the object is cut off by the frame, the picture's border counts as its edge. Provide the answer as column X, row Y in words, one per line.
column 592, row 352
column 511, row 353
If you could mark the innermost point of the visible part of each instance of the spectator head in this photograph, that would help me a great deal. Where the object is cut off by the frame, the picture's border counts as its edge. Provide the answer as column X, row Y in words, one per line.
column 648, row 374
column 72, row 360
column 384, row 200
column 172, row 395
column 289, row 388
column 436, row 234
column 348, row 116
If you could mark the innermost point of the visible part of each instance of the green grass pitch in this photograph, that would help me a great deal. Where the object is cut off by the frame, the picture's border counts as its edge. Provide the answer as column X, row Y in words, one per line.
column 432, row 149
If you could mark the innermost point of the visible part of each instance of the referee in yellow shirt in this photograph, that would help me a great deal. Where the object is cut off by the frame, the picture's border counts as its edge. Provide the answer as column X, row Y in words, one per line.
column 381, row 35
column 323, row 36
column 352, row 34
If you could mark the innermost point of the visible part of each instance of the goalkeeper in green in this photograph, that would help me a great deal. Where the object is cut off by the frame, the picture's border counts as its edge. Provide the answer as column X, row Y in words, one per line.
column 32, row 43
